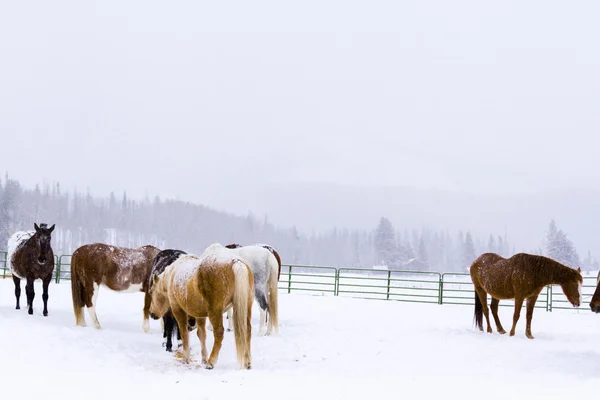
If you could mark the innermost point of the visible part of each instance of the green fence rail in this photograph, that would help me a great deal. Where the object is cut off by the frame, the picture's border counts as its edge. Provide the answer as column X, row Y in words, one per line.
column 406, row 286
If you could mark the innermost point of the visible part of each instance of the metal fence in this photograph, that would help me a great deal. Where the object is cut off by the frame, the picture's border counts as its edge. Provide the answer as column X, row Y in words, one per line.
column 406, row 286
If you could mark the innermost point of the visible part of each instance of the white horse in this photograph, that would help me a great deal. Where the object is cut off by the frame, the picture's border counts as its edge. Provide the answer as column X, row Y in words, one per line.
column 265, row 267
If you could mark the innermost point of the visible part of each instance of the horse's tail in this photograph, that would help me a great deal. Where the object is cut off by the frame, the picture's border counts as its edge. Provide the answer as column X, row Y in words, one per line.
column 478, row 312
column 243, row 295
column 272, row 295
column 77, row 291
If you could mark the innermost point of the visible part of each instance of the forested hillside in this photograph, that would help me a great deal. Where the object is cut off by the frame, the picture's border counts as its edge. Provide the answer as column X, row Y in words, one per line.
column 82, row 218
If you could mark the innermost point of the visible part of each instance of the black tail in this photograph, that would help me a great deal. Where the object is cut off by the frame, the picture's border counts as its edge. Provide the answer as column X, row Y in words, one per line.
column 478, row 312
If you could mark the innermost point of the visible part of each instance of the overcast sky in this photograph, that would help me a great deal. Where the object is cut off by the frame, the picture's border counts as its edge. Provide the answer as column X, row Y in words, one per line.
column 180, row 98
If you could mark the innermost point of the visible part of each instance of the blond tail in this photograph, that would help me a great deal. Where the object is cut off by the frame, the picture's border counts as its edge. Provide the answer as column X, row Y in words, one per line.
column 272, row 295
column 243, row 296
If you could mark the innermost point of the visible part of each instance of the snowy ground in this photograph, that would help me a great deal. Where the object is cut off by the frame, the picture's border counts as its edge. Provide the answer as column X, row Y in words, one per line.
column 328, row 347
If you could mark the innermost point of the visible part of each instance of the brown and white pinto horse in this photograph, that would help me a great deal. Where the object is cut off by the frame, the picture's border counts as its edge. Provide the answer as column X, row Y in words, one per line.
column 520, row 277
column 118, row 268
column 207, row 287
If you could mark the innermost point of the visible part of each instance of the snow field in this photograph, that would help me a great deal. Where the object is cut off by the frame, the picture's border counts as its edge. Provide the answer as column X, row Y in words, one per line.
column 328, row 347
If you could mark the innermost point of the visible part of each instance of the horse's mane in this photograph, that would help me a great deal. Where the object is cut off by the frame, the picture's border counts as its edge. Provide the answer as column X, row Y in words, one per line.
column 543, row 266
column 234, row 246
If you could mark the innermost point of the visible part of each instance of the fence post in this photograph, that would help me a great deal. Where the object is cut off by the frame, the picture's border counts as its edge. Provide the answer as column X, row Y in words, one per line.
column 336, row 283
column 549, row 298
column 388, row 284
column 58, row 270
column 441, row 293
column 289, row 279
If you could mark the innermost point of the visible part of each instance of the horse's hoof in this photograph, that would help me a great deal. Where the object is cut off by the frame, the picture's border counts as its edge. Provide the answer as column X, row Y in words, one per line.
column 45, row 313
column 18, row 308
column 30, row 311
column 502, row 332
column 209, row 366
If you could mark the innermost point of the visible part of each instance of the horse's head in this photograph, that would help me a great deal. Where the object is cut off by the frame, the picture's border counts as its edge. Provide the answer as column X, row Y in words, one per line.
column 43, row 237
column 595, row 303
column 572, row 288
column 160, row 300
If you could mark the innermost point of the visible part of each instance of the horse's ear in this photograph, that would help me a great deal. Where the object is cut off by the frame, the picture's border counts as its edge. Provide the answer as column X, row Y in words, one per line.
column 579, row 269
column 37, row 228
column 51, row 228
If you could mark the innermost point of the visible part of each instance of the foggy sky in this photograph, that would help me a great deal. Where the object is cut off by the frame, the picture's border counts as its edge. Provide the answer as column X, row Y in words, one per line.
column 188, row 99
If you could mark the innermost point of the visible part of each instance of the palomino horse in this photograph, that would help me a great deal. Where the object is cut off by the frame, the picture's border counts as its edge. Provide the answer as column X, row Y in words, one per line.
column 162, row 261
column 595, row 303
column 118, row 268
column 520, row 277
column 266, row 266
column 30, row 257
column 207, row 287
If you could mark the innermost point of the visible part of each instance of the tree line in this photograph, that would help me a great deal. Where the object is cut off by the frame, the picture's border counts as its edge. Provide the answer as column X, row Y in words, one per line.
column 82, row 218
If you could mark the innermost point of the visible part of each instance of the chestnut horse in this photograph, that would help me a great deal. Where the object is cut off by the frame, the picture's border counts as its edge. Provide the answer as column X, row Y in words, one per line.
column 207, row 287
column 520, row 277
column 30, row 257
column 595, row 303
column 118, row 268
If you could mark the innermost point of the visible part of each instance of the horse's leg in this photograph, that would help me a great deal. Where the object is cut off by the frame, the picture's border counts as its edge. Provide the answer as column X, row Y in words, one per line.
column 201, row 323
column 216, row 319
column 45, row 285
column 262, row 330
column 530, row 306
column 230, row 319
column 168, row 322
column 17, row 282
column 92, row 309
column 182, row 321
column 486, row 312
column 517, row 314
column 494, row 306
column 30, row 295
column 146, row 323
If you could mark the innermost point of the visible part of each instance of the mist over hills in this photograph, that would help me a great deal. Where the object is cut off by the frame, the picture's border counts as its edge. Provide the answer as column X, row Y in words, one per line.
column 524, row 217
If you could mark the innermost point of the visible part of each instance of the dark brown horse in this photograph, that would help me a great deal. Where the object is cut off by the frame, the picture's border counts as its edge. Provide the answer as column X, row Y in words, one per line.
column 595, row 303
column 520, row 277
column 30, row 257
column 118, row 268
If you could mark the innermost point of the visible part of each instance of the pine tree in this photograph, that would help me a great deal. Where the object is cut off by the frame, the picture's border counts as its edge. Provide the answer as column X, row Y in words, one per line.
column 492, row 245
column 468, row 251
column 422, row 255
column 558, row 247
column 385, row 242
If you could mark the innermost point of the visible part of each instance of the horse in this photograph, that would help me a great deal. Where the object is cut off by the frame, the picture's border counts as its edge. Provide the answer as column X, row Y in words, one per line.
column 202, row 287
column 30, row 257
column 161, row 261
column 595, row 303
column 520, row 277
column 118, row 268
column 264, row 261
